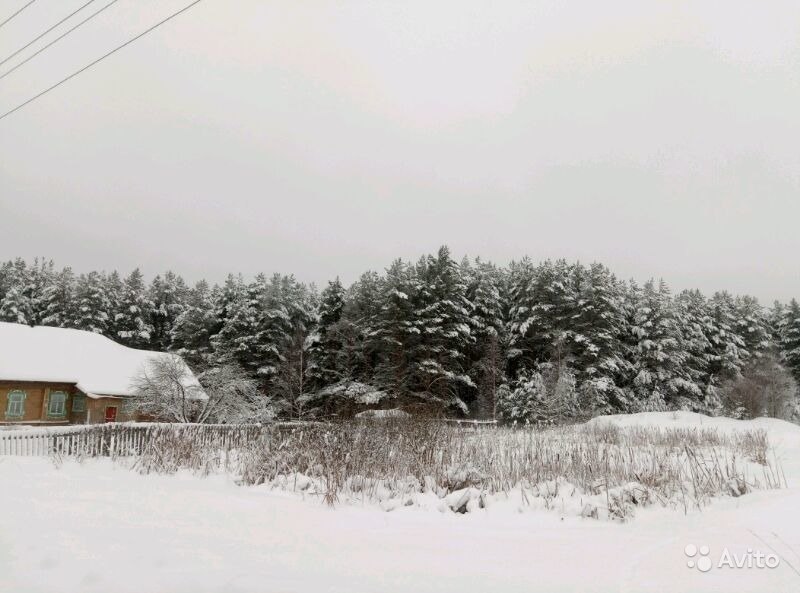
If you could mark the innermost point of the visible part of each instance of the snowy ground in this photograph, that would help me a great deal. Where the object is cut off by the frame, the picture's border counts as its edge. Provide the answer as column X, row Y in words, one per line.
column 97, row 526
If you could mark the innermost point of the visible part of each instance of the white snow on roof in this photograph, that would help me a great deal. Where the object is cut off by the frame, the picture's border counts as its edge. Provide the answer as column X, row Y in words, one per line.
column 98, row 365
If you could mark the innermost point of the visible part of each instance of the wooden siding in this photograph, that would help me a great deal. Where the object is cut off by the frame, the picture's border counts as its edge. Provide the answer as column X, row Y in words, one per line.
column 37, row 397
column 97, row 410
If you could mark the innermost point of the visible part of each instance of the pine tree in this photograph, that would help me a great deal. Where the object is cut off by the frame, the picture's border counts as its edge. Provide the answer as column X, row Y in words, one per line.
column 519, row 287
column 289, row 324
column 324, row 352
column 522, row 402
column 60, row 301
column 92, row 304
column 280, row 321
column 441, row 318
column 131, row 321
column 5, row 278
column 114, row 289
column 596, row 327
column 168, row 297
column 542, row 324
column 790, row 343
column 752, row 325
column 358, row 357
column 39, row 277
column 697, row 327
column 194, row 329
column 659, row 359
column 488, row 328
column 227, row 296
column 16, row 305
column 238, row 311
column 727, row 345
column 776, row 319
column 394, row 331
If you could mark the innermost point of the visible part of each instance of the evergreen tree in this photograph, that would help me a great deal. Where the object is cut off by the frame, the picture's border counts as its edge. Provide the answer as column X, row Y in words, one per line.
column 59, row 301
column 776, row 320
column 289, row 325
column 168, row 298
column 394, row 330
column 92, row 304
column 659, row 361
column 521, row 402
column 528, row 343
column 327, row 344
column 543, row 323
column 488, row 328
column 114, row 289
column 519, row 287
column 39, row 277
column 280, row 321
column 596, row 327
column 727, row 345
column 442, row 336
column 359, row 357
column 790, row 343
column 194, row 329
column 16, row 304
column 697, row 326
column 226, row 297
column 239, row 314
column 132, row 319
column 752, row 325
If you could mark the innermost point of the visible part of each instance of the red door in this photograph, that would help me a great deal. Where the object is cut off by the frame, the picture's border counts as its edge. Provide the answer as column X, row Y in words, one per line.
column 111, row 413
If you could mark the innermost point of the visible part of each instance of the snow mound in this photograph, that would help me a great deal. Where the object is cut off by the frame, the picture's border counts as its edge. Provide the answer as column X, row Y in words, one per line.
column 682, row 419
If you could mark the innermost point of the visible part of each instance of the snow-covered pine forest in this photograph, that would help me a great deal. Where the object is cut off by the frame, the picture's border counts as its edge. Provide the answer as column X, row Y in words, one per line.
column 529, row 342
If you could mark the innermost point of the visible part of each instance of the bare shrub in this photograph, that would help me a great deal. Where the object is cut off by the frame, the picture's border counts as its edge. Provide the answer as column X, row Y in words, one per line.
column 166, row 390
column 765, row 388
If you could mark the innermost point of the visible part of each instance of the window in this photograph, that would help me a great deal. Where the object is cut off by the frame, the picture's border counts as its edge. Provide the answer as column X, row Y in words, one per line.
column 57, row 405
column 16, row 404
column 78, row 403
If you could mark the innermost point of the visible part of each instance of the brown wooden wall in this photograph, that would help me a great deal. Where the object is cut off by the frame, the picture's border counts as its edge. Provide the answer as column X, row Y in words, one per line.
column 97, row 410
column 36, row 400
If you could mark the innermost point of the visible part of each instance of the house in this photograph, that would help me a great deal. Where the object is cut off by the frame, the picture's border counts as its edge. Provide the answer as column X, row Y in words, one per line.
column 52, row 375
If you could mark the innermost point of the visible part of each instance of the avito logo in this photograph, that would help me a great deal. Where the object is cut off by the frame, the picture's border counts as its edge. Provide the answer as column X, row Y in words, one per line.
column 700, row 558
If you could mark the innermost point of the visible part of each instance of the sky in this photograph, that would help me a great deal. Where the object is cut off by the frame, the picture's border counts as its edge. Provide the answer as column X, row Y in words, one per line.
column 328, row 138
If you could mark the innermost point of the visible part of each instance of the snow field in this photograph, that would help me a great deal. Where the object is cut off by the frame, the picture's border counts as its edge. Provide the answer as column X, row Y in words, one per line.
column 93, row 525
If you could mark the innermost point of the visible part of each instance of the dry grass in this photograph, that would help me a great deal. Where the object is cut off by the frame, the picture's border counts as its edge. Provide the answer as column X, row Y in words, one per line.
column 603, row 469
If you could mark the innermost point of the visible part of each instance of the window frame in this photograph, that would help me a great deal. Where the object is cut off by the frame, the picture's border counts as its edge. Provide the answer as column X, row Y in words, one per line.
column 78, row 403
column 15, row 401
column 57, row 414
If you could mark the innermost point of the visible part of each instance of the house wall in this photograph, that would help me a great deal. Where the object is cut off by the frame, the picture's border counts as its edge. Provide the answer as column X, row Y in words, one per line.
column 97, row 410
column 36, row 400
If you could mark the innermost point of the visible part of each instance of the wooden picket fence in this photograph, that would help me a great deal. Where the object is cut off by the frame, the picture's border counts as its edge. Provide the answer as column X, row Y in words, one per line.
column 121, row 439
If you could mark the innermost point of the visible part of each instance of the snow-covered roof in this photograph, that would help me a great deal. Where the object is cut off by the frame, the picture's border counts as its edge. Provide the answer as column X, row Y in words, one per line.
column 96, row 364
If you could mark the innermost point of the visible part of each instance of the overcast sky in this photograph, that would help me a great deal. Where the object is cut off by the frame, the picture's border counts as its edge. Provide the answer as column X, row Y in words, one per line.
column 325, row 138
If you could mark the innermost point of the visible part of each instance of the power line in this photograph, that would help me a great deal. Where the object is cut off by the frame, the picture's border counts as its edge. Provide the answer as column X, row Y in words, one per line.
column 100, row 59
column 16, row 13
column 57, row 39
column 27, row 45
